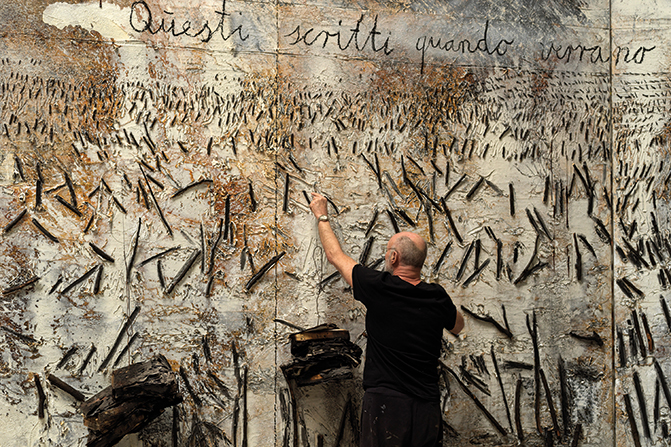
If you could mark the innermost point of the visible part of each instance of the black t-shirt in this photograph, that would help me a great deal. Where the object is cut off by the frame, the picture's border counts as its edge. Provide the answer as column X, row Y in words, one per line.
column 405, row 325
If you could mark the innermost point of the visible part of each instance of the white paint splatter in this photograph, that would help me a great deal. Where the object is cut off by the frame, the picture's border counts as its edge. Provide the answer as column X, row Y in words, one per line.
column 109, row 20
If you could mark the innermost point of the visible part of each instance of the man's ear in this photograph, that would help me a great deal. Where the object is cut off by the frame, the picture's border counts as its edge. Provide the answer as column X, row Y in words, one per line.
column 393, row 257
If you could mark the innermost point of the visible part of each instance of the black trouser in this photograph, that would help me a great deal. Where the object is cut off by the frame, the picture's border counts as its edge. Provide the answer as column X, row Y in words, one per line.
column 392, row 419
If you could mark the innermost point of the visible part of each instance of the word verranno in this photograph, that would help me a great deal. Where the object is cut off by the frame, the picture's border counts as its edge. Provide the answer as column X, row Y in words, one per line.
column 595, row 54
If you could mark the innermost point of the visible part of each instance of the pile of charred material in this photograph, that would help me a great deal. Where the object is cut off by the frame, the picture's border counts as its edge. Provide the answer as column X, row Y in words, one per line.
column 322, row 353
column 139, row 393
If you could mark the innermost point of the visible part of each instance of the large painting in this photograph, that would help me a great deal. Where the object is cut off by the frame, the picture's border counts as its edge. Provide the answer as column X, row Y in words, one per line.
column 157, row 162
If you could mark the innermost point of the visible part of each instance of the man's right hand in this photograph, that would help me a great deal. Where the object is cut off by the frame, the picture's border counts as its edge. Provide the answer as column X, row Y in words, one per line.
column 318, row 205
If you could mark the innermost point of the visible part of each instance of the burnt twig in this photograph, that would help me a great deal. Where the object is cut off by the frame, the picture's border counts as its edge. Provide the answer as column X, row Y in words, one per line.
column 475, row 274
column 455, row 186
column 99, row 251
column 87, row 359
column 70, row 352
column 79, row 280
column 518, row 412
column 436, row 267
column 564, row 397
column 451, row 223
column 126, row 348
column 183, row 271
column 189, row 186
column 665, row 309
column 550, row 403
column 158, row 255
column 153, row 197
column 14, row 221
column 371, row 223
column 23, row 285
column 214, row 247
column 648, row 333
column 475, row 400
column 262, row 271
column 641, row 404
column 464, row 260
column 503, row 392
column 27, row 339
column 42, row 398
column 189, row 388
column 78, row 395
column 129, row 267
column 532, row 327
column 68, row 205
column 593, row 337
column 511, row 199
column 639, row 335
column 632, row 421
column 488, row 319
column 222, row 387
column 123, row 330
column 576, row 435
column 393, row 221
column 44, row 231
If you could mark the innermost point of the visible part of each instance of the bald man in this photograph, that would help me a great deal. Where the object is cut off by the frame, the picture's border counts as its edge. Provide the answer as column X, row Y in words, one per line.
column 405, row 318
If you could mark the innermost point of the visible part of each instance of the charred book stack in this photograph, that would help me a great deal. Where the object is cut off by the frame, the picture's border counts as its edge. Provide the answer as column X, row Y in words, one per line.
column 139, row 393
column 323, row 353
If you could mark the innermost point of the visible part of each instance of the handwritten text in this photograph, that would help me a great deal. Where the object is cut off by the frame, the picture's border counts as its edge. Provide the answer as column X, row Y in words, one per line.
column 594, row 54
column 142, row 20
column 309, row 37
column 462, row 46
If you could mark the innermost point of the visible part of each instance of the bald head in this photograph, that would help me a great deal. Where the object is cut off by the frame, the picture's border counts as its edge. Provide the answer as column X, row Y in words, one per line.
column 410, row 247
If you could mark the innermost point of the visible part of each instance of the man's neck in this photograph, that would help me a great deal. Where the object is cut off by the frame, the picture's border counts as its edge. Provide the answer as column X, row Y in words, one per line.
column 407, row 274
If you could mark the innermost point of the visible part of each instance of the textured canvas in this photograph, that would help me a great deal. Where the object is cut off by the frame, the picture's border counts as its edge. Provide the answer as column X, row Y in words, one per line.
column 157, row 160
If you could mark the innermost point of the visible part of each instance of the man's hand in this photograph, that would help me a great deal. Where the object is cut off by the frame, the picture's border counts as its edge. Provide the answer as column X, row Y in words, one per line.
column 318, row 205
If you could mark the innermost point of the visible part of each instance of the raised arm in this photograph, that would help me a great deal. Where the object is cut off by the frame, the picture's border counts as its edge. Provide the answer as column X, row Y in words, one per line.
column 329, row 241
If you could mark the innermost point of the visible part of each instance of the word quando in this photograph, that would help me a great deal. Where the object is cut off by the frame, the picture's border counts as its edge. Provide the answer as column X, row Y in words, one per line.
column 462, row 46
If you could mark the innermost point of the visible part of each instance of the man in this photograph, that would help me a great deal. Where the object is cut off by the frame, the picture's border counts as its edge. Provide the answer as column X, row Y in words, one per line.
column 405, row 318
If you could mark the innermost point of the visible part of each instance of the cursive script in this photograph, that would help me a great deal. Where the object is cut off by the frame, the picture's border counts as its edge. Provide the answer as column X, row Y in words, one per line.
column 309, row 37
column 142, row 20
column 462, row 46
column 595, row 54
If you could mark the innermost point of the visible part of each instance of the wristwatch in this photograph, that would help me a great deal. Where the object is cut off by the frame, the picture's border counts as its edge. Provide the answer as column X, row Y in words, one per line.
column 323, row 218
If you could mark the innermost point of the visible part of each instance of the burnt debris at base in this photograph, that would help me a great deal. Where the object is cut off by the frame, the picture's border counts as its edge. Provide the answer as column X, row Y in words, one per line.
column 322, row 353
column 139, row 393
